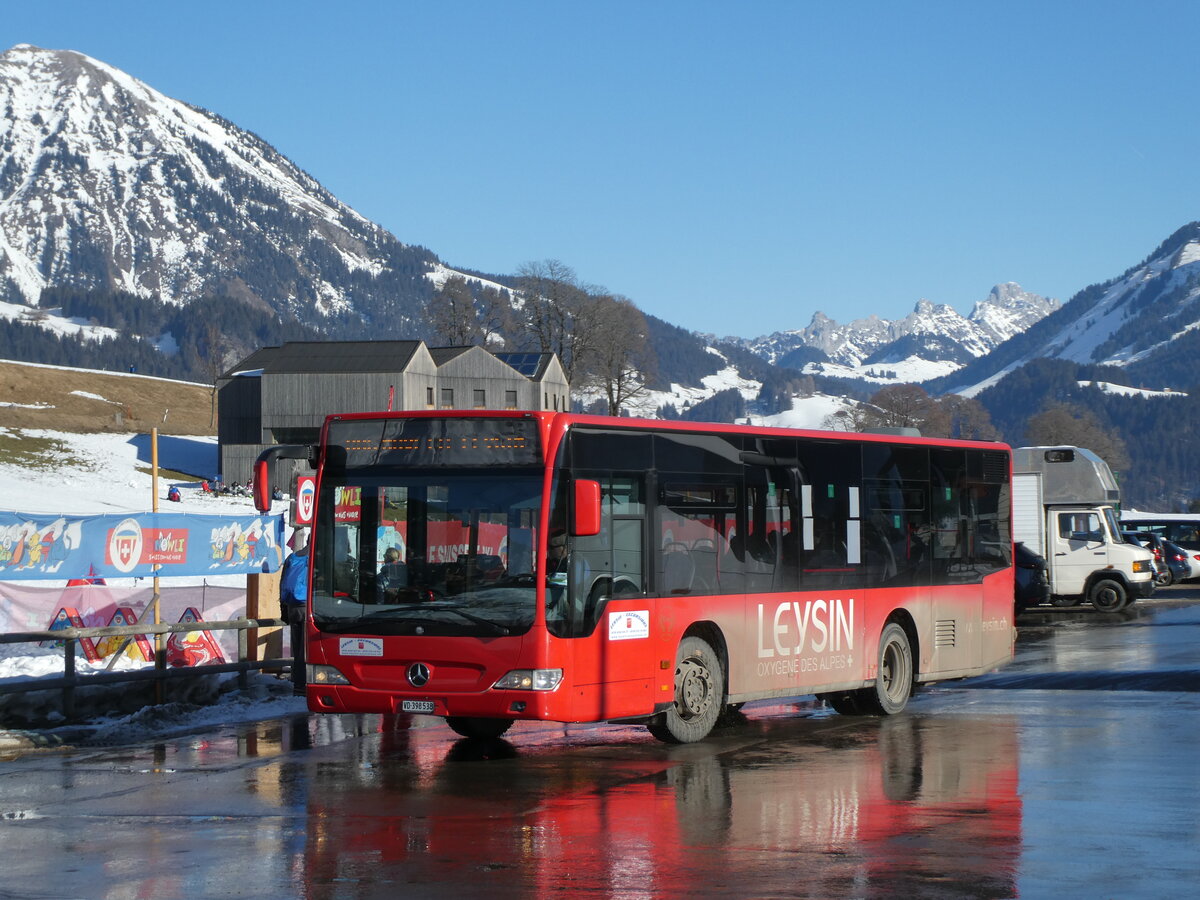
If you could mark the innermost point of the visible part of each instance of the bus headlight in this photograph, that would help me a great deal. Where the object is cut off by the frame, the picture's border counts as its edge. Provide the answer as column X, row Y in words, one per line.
column 1141, row 565
column 325, row 675
column 530, row 680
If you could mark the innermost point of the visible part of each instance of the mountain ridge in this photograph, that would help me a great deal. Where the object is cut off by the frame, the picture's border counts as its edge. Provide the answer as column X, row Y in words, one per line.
column 185, row 202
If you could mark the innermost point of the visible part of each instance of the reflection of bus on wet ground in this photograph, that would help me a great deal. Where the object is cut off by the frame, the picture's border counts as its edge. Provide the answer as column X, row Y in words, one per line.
column 489, row 567
column 810, row 807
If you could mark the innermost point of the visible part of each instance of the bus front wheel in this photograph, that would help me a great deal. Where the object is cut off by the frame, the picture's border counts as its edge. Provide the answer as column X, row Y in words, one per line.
column 699, row 695
column 478, row 728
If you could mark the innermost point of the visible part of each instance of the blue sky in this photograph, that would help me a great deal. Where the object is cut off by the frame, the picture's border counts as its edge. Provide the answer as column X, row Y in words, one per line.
column 729, row 167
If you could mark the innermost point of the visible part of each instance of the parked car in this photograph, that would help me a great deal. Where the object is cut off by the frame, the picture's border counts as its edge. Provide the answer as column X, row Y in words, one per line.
column 1184, row 564
column 1163, row 573
column 1032, row 586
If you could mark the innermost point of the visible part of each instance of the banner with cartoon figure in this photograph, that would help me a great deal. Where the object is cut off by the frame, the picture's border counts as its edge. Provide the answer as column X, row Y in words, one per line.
column 138, row 545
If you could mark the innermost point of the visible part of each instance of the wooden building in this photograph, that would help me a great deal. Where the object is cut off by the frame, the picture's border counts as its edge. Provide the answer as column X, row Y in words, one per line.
column 281, row 395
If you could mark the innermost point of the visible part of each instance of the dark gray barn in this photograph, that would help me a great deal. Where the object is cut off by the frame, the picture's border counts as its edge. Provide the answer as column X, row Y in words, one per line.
column 281, row 395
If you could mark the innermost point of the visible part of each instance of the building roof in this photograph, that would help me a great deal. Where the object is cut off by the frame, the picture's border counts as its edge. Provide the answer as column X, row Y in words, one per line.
column 315, row 357
column 443, row 355
column 341, row 357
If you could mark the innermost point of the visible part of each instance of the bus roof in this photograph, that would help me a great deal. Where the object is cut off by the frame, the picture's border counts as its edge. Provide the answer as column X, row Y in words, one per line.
column 557, row 422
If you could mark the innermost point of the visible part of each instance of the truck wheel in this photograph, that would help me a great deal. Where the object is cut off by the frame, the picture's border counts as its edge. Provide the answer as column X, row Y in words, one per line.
column 1108, row 595
column 470, row 727
column 699, row 695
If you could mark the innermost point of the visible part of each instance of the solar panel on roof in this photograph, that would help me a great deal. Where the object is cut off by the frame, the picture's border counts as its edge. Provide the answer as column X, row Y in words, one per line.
column 525, row 363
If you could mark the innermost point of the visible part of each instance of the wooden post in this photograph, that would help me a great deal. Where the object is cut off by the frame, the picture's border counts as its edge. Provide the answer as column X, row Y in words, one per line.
column 262, row 601
column 160, row 657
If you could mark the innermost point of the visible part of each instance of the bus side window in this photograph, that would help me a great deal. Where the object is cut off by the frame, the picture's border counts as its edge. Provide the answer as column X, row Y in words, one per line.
column 772, row 543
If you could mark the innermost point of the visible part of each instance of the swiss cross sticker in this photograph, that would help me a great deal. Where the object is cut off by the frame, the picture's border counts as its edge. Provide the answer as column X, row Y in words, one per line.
column 306, row 498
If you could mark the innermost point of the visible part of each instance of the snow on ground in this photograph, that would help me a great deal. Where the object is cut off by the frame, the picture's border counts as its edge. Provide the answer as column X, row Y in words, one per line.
column 913, row 370
column 53, row 321
column 683, row 397
column 1124, row 391
column 98, row 474
column 806, row 412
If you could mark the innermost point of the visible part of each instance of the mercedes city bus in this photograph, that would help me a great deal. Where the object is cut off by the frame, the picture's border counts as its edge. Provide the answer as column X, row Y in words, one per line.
column 493, row 566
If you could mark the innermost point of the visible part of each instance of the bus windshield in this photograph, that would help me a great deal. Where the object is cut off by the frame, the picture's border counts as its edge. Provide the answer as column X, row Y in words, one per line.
column 444, row 553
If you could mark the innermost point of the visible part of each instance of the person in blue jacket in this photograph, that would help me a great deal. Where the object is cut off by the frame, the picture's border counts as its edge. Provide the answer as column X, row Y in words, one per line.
column 293, row 600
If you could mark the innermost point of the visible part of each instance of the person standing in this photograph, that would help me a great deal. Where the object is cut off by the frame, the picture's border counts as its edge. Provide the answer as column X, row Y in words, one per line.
column 293, row 600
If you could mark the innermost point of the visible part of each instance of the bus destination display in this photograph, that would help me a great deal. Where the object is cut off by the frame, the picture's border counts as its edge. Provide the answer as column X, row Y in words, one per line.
column 474, row 441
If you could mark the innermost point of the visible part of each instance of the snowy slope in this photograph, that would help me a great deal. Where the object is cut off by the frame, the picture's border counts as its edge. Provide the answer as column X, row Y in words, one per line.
column 1138, row 321
column 108, row 183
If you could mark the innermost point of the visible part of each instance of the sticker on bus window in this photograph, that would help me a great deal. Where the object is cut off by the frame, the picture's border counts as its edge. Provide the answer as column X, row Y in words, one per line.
column 626, row 626
column 360, row 647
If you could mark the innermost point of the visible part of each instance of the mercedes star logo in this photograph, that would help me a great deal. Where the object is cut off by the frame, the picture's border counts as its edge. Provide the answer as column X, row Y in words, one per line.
column 418, row 674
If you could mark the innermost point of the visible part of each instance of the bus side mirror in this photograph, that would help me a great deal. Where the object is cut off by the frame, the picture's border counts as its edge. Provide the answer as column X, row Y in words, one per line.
column 262, row 485
column 587, row 508
column 264, row 467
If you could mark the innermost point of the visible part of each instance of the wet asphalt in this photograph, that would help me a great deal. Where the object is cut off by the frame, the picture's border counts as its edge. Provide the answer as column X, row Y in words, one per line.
column 1072, row 772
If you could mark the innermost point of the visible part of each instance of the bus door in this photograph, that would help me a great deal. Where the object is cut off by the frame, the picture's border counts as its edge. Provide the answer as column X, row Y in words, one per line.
column 601, row 606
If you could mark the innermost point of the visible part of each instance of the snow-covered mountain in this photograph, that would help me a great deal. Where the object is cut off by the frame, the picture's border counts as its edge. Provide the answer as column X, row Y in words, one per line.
column 1146, row 321
column 932, row 340
column 107, row 183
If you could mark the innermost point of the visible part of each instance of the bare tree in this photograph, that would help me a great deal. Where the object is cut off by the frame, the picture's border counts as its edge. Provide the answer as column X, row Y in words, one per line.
column 969, row 419
column 905, row 406
column 621, row 359
column 215, row 349
column 451, row 312
column 559, row 312
column 1078, row 427
column 908, row 406
column 495, row 318
column 856, row 417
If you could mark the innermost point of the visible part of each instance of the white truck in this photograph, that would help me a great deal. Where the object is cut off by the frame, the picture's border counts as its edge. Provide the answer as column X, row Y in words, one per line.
column 1064, row 507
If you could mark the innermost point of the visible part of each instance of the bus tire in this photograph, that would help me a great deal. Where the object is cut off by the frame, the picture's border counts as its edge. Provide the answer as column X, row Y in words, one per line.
column 893, row 681
column 1108, row 595
column 470, row 727
column 699, row 695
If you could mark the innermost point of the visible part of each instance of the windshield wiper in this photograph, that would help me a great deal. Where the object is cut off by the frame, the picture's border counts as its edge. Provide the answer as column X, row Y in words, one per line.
column 418, row 615
column 478, row 620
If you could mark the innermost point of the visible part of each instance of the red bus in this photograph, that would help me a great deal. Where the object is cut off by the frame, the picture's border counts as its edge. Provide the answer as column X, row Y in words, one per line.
column 493, row 566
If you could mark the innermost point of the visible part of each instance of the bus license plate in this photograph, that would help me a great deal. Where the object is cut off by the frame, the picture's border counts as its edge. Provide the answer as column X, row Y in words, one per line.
column 417, row 706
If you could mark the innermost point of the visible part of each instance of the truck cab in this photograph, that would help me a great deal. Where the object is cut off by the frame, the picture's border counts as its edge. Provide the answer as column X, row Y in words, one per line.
column 1064, row 507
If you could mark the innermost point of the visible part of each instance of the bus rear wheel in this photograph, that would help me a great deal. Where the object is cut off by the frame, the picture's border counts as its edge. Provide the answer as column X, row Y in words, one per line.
column 478, row 728
column 699, row 695
column 893, row 683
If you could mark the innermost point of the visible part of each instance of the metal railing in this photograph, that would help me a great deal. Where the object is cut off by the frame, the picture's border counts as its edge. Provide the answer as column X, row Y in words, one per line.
column 70, row 638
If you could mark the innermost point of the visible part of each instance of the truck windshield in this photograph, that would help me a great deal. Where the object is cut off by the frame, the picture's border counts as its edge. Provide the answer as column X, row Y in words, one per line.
column 446, row 553
column 1114, row 526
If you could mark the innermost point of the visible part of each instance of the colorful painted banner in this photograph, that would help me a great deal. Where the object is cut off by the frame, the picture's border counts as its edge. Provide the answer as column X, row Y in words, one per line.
column 29, row 606
column 192, row 648
column 139, row 545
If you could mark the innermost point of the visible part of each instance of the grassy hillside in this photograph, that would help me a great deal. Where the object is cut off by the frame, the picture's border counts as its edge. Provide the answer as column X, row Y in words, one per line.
column 88, row 401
